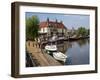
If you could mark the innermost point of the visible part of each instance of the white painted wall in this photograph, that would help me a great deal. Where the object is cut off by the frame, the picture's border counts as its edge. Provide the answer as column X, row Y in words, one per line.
column 5, row 40
column 59, row 30
column 43, row 30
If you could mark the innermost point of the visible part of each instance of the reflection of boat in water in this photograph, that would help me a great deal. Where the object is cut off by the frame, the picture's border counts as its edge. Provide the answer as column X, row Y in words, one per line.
column 59, row 56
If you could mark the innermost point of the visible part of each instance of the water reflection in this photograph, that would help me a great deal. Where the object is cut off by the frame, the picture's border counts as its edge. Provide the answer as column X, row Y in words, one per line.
column 82, row 42
column 77, row 51
column 64, row 46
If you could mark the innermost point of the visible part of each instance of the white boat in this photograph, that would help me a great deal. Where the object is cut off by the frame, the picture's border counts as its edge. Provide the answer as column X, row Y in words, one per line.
column 51, row 47
column 59, row 56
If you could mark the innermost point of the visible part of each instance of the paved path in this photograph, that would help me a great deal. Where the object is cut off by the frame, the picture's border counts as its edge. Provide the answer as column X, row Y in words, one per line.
column 43, row 58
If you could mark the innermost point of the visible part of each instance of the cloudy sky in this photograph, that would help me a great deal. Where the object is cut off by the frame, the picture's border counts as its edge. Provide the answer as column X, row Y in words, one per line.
column 69, row 20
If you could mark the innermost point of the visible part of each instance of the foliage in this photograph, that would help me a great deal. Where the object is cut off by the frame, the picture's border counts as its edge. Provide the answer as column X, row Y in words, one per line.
column 82, row 32
column 32, row 27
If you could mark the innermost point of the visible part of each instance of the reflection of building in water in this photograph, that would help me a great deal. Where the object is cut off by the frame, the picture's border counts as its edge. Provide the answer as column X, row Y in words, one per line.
column 82, row 42
column 64, row 46
column 51, row 28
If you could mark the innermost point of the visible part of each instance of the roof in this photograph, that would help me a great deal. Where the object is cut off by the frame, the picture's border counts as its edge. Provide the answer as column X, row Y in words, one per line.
column 56, row 24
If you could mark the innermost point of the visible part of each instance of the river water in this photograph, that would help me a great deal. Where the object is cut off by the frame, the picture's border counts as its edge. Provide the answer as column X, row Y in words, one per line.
column 76, row 51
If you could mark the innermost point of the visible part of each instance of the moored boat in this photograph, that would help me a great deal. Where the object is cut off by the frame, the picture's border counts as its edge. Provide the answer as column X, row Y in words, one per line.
column 51, row 47
column 59, row 56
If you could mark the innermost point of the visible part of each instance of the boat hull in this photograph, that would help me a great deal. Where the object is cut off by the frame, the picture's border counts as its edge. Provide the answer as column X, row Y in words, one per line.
column 60, row 56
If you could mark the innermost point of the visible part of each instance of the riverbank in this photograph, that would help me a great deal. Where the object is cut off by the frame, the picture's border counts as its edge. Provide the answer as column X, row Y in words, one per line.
column 62, row 40
column 43, row 59
column 78, row 38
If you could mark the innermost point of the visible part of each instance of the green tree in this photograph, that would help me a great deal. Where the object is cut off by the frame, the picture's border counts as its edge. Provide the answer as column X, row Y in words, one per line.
column 83, row 32
column 88, row 32
column 32, row 27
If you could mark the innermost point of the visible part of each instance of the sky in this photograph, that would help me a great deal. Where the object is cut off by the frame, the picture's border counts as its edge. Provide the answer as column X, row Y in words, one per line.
column 69, row 20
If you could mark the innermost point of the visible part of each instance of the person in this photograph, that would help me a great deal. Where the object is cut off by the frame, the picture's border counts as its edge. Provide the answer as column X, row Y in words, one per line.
column 39, row 42
column 35, row 42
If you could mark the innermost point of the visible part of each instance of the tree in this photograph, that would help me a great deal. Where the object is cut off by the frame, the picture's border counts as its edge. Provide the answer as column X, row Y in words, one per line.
column 32, row 27
column 82, row 32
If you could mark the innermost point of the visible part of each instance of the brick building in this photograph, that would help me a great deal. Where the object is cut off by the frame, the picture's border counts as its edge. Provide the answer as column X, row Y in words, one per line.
column 52, row 28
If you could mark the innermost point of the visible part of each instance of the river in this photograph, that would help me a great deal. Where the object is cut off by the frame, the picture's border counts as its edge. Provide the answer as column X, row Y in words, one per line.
column 77, row 51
